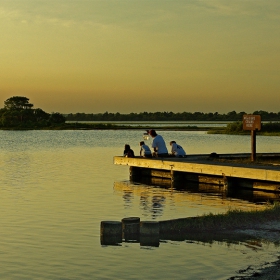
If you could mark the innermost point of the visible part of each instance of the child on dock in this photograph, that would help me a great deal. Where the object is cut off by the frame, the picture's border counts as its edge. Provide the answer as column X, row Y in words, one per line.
column 145, row 150
column 177, row 150
column 128, row 152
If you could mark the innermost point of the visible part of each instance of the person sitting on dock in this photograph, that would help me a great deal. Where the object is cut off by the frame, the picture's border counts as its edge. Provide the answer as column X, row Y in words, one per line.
column 128, row 152
column 158, row 144
column 177, row 150
column 145, row 150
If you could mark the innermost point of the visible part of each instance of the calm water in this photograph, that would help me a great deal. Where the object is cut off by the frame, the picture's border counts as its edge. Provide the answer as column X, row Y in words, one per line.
column 57, row 186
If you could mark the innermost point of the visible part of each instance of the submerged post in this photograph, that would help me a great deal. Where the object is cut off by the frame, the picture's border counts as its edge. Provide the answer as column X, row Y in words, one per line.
column 131, row 228
column 110, row 232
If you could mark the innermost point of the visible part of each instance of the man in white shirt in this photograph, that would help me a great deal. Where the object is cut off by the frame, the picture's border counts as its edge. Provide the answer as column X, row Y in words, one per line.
column 158, row 144
column 177, row 150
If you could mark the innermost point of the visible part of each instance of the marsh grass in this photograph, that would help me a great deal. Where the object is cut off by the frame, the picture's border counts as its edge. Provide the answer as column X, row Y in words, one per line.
column 239, row 219
column 232, row 219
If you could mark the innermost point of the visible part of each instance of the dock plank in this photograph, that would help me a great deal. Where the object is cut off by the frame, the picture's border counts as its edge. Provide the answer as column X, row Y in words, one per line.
column 200, row 165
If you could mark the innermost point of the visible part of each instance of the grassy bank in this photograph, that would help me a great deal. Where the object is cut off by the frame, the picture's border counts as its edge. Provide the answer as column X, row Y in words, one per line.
column 232, row 219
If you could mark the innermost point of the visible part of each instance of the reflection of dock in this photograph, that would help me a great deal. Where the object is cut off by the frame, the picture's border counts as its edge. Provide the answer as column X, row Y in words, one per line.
column 199, row 168
column 213, row 195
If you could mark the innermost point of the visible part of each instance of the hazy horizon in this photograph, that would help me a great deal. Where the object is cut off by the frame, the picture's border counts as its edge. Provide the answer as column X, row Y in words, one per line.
column 135, row 56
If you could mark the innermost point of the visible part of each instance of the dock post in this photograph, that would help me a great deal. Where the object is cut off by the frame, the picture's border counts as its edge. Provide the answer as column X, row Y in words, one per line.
column 235, row 183
column 176, row 176
column 134, row 173
column 253, row 145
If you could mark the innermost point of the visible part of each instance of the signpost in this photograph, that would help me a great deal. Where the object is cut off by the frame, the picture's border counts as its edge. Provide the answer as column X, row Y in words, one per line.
column 253, row 123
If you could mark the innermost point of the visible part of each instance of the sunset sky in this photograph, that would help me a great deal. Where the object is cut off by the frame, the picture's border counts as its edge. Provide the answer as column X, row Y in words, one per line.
column 125, row 56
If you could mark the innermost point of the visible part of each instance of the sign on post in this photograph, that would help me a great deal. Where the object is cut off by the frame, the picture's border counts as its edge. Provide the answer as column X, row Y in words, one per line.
column 253, row 123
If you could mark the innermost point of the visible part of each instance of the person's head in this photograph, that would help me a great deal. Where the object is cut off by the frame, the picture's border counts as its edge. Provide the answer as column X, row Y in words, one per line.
column 142, row 143
column 172, row 142
column 153, row 133
column 126, row 147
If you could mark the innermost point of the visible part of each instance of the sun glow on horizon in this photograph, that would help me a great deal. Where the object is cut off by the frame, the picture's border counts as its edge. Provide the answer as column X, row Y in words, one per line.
column 122, row 56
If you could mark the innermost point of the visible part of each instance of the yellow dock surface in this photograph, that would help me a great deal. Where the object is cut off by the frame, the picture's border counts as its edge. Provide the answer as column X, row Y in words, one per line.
column 202, row 165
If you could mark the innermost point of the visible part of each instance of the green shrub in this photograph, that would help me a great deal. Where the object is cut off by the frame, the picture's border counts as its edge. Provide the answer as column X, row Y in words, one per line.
column 234, row 127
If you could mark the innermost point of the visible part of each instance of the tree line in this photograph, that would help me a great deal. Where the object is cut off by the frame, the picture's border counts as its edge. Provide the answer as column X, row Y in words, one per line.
column 170, row 116
column 19, row 113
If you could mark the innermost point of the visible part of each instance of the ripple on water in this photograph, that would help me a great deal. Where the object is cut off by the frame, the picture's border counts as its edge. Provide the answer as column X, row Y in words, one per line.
column 56, row 187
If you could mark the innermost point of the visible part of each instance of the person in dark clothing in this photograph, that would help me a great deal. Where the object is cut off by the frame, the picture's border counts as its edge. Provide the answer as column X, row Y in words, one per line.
column 128, row 152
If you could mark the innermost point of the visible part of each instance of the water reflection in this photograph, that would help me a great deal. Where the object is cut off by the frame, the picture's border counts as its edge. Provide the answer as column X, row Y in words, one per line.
column 161, row 196
column 157, row 205
column 56, row 187
column 255, row 196
column 127, row 198
column 219, row 191
column 156, row 201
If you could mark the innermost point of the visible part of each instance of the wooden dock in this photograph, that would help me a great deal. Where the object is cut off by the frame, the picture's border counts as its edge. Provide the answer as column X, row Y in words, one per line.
column 204, row 169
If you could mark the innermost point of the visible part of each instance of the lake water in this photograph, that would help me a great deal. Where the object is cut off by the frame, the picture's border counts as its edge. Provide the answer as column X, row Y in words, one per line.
column 57, row 186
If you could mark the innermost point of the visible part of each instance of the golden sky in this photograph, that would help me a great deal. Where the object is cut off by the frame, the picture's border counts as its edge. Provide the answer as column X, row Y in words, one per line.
column 125, row 56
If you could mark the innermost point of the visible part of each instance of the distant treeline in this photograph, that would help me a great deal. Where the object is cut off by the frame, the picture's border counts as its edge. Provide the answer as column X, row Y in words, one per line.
column 170, row 116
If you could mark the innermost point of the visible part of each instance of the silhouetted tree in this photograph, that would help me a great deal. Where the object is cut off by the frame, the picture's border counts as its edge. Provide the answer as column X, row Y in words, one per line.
column 17, row 103
column 18, row 112
column 56, row 118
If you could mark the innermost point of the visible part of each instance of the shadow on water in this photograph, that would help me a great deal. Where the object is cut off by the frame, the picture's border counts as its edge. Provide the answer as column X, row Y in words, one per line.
column 154, row 234
column 155, row 240
column 153, row 199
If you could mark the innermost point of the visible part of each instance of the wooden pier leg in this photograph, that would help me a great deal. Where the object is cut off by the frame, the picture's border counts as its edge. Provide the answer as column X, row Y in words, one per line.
column 177, row 176
column 134, row 173
column 235, row 183
column 253, row 145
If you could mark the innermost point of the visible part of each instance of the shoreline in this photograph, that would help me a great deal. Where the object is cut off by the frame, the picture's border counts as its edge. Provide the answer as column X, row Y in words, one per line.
column 109, row 126
column 112, row 126
column 262, row 225
column 269, row 231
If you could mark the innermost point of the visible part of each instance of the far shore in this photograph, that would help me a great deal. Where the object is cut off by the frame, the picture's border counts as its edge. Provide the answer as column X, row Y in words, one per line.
column 108, row 126
column 113, row 126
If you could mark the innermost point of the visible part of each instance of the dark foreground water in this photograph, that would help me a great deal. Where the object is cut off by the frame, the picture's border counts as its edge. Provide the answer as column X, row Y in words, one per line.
column 57, row 186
